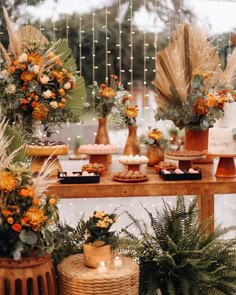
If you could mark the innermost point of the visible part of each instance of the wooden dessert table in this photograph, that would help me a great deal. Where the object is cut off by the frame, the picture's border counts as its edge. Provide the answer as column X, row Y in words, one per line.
column 205, row 188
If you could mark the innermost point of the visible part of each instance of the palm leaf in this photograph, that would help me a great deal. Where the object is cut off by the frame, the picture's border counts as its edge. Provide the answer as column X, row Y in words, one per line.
column 77, row 96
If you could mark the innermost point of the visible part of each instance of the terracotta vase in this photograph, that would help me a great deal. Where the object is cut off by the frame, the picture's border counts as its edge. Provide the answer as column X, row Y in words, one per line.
column 197, row 140
column 33, row 275
column 102, row 136
column 132, row 146
column 155, row 155
column 94, row 255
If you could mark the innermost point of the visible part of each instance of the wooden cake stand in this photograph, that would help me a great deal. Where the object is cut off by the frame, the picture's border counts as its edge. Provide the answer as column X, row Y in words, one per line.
column 100, row 157
column 135, row 166
column 185, row 162
column 226, row 165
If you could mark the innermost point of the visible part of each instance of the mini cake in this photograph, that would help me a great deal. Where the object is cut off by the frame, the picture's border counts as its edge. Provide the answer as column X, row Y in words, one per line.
column 137, row 159
column 222, row 137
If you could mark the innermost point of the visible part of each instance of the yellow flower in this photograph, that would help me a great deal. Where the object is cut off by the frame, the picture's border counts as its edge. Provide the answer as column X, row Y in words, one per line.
column 212, row 101
column 34, row 57
column 155, row 134
column 7, row 181
column 35, row 218
column 132, row 112
column 99, row 214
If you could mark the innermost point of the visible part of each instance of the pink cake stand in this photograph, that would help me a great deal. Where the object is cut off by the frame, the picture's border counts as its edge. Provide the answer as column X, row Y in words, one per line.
column 226, row 165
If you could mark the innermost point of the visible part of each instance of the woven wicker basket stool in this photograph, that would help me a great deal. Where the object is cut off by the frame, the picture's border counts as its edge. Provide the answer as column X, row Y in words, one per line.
column 35, row 276
column 77, row 279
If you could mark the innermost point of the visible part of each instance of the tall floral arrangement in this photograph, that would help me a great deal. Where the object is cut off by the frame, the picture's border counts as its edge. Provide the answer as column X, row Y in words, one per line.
column 38, row 80
column 124, row 113
column 105, row 95
column 199, row 110
column 190, row 84
column 26, row 211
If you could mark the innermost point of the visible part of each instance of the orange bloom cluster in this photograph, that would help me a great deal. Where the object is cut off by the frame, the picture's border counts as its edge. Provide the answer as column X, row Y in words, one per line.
column 214, row 101
column 40, row 93
column 201, row 107
column 132, row 111
column 7, row 181
column 35, row 217
column 155, row 134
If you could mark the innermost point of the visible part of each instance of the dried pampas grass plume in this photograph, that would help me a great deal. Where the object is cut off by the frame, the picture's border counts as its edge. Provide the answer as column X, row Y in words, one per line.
column 190, row 52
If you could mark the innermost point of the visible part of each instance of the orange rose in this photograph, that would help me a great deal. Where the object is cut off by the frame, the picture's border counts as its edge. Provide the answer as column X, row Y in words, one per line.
column 62, row 92
column 16, row 227
column 23, row 192
column 36, row 201
column 10, row 220
column 52, row 201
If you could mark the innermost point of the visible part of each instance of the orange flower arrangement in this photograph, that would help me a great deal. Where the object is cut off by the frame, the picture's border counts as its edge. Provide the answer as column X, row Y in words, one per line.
column 38, row 80
column 25, row 210
column 105, row 96
column 199, row 110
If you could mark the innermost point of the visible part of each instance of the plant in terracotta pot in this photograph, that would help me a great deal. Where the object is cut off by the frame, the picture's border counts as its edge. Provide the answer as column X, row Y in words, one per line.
column 98, row 237
column 156, row 145
column 178, row 256
column 26, row 211
column 191, row 87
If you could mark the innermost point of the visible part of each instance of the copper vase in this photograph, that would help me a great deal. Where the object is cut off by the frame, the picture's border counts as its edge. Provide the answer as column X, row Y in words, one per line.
column 155, row 155
column 197, row 140
column 132, row 146
column 102, row 136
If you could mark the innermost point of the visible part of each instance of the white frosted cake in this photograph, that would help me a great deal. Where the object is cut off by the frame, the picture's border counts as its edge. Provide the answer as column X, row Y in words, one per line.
column 222, row 137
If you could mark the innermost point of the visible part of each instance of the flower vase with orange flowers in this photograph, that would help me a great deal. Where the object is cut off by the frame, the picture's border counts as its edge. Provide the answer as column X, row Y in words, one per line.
column 26, row 212
column 156, row 145
column 38, row 81
column 98, row 237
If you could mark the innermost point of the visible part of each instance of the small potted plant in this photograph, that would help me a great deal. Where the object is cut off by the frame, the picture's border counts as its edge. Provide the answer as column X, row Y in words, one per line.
column 156, row 145
column 98, row 237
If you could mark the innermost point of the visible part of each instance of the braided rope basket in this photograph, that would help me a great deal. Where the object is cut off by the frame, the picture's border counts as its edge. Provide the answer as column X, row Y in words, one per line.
column 94, row 255
column 77, row 279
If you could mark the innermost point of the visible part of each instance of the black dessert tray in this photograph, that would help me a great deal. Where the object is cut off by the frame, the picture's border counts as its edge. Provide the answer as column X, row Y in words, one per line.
column 181, row 176
column 77, row 178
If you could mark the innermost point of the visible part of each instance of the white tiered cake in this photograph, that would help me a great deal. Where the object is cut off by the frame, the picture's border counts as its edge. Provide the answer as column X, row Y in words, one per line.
column 222, row 137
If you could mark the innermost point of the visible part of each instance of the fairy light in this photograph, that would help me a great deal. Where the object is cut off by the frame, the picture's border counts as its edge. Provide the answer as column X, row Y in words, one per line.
column 145, row 69
column 107, row 64
column 54, row 30
column 119, row 44
column 40, row 24
column 180, row 11
column 26, row 16
column 131, row 47
column 169, row 26
column 93, row 47
column 80, row 46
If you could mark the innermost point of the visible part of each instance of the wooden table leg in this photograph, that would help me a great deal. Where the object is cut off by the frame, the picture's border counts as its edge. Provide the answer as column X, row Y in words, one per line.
column 206, row 207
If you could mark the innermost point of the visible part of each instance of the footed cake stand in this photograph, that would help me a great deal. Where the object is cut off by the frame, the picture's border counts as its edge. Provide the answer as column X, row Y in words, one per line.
column 100, row 157
column 226, row 165
column 132, row 165
column 185, row 162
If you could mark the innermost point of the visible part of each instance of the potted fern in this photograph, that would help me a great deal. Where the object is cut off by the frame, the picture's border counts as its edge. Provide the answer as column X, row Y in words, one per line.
column 178, row 256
